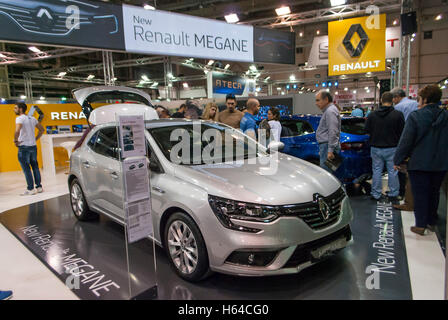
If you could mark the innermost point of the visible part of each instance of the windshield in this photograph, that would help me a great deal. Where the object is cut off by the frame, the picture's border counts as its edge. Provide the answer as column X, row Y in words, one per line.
column 205, row 143
column 293, row 128
column 353, row 126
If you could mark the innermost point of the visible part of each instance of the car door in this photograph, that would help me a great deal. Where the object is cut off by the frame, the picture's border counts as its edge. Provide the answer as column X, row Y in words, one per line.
column 299, row 138
column 88, row 169
column 108, row 175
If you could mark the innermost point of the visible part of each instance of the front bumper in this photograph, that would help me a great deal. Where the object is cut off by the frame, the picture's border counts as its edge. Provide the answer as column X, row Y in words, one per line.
column 296, row 244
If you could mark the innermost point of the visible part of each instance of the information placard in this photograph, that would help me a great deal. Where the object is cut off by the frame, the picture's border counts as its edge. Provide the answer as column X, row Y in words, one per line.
column 132, row 136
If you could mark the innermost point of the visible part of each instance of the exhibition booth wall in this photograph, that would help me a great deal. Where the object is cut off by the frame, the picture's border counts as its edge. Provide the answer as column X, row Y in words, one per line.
column 57, row 118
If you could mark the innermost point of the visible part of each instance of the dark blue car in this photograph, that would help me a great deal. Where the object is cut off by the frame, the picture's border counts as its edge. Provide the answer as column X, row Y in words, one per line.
column 298, row 135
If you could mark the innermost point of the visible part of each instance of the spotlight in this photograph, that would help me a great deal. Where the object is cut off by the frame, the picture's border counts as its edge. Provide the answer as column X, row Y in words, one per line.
column 395, row 22
column 22, row 97
column 148, row 7
column 90, row 77
column 61, row 74
column 318, row 32
column 34, row 49
column 345, row 89
column 185, row 85
column 439, row 17
column 335, row 3
column 232, row 18
column 292, row 77
column 283, row 11
column 211, row 62
column 145, row 77
column 227, row 66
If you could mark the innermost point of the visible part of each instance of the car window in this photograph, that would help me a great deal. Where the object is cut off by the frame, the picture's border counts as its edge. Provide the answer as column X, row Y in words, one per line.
column 91, row 142
column 353, row 126
column 292, row 128
column 233, row 145
column 106, row 142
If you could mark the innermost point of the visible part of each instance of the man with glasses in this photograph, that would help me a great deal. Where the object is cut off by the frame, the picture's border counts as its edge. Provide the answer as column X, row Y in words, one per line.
column 231, row 116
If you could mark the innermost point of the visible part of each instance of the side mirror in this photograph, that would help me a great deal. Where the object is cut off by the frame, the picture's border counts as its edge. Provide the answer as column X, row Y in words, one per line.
column 153, row 166
column 275, row 146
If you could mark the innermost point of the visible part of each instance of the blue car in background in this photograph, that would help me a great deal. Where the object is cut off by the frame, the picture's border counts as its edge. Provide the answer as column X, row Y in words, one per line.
column 298, row 135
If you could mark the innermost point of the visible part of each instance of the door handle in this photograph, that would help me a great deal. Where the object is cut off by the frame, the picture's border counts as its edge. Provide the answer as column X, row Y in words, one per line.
column 158, row 189
column 86, row 164
column 114, row 175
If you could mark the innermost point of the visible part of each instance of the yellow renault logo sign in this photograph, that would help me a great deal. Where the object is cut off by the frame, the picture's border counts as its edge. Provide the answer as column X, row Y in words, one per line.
column 356, row 47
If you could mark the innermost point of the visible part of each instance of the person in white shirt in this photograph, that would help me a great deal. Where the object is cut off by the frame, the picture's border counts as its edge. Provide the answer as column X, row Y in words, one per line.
column 25, row 140
column 274, row 123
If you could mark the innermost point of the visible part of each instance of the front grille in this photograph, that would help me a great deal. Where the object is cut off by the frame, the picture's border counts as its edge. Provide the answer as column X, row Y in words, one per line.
column 310, row 214
column 302, row 253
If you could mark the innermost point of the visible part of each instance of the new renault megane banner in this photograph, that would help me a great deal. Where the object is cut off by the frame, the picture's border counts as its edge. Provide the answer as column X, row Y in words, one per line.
column 89, row 24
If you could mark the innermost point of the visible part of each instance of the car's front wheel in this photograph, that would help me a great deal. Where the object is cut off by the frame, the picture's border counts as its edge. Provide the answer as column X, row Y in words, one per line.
column 186, row 248
column 78, row 202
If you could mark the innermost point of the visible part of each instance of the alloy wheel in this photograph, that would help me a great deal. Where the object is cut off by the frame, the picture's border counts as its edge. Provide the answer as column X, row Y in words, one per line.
column 182, row 246
column 77, row 200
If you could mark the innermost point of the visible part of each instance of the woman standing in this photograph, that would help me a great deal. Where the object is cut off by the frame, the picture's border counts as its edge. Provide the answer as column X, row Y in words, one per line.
column 274, row 123
column 424, row 142
column 210, row 112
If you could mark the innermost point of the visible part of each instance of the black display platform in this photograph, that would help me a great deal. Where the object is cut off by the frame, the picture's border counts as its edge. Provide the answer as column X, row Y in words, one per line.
column 101, row 244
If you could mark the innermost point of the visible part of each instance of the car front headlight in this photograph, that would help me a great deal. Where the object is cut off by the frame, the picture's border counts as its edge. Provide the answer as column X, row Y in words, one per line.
column 226, row 209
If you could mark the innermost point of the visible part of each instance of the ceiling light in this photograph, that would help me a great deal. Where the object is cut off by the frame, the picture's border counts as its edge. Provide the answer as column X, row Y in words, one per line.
column 169, row 75
column 145, row 77
column 267, row 78
column 148, row 7
column 61, row 74
column 170, row 85
column 232, row 18
column 2, row 56
column 211, row 62
column 336, row 93
column 335, row 3
column 443, row 87
column 283, row 11
column 227, row 66
column 318, row 32
column 345, row 89
column 90, row 77
column 354, row 91
column 279, row 89
column 412, row 40
column 34, row 49
column 185, row 85
column 301, row 34
column 439, row 17
column 42, row 98
column 292, row 77
column 366, row 88
column 413, row 35
column 22, row 97
column 155, row 84
column 114, row 79
column 395, row 22
column 253, row 67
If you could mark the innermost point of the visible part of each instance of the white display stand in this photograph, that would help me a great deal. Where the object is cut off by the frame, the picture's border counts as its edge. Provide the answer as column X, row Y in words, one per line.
column 50, row 141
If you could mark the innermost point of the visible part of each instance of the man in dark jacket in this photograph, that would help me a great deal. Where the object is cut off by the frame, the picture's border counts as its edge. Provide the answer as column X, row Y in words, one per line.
column 425, row 143
column 384, row 127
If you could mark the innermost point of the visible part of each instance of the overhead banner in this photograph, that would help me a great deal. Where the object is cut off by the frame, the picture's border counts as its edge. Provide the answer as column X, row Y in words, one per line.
column 319, row 49
column 158, row 32
column 357, row 45
column 62, row 22
column 127, row 28
column 227, row 84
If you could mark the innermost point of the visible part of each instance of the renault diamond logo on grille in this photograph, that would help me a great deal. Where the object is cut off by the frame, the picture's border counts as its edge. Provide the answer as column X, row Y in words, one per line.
column 324, row 209
column 355, row 28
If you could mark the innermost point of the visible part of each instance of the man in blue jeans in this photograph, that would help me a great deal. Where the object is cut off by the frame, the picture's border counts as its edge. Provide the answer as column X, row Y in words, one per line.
column 25, row 140
column 384, row 127
column 329, row 131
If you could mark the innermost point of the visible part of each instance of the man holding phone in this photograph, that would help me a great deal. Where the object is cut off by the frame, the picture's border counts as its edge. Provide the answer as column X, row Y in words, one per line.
column 25, row 140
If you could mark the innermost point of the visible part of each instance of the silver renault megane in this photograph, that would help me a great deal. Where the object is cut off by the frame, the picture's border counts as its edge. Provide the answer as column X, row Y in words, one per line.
column 227, row 216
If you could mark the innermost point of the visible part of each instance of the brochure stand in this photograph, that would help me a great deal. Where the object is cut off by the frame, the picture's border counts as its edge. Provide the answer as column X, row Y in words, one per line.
column 136, row 195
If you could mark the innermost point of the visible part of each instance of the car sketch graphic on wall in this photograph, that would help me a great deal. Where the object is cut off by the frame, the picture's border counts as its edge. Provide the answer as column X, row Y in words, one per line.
column 56, row 17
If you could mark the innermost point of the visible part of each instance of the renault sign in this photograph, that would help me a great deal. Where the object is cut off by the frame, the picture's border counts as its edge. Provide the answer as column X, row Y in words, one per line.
column 356, row 46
